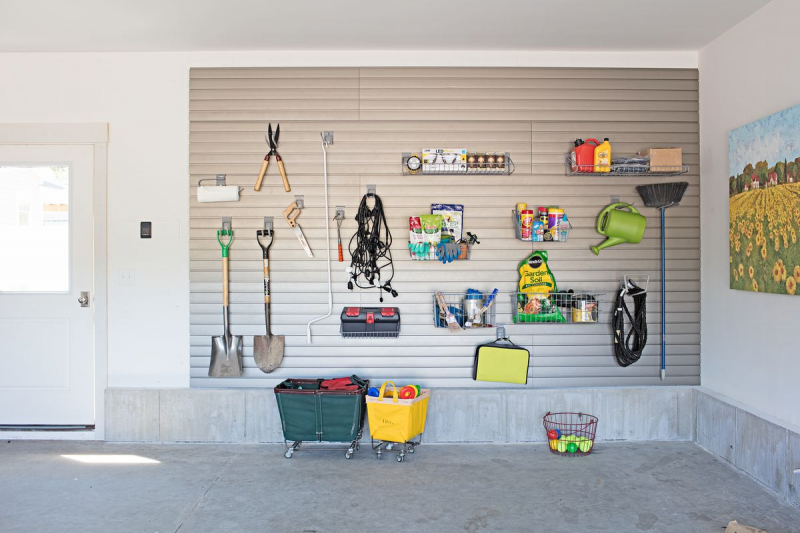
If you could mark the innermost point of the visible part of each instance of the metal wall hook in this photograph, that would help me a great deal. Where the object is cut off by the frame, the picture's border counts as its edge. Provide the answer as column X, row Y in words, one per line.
column 298, row 199
column 268, row 224
column 371, row 190
column 226, row 223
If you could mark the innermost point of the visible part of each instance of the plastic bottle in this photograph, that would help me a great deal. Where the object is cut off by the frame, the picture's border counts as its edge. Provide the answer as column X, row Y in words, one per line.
column 563, row 229
column 602, row 157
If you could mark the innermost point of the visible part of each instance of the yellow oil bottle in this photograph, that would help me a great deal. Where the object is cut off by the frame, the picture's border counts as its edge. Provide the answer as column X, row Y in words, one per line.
column 602, row 157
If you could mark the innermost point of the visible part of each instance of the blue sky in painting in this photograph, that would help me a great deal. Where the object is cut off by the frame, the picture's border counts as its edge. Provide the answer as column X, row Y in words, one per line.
column 773, row 138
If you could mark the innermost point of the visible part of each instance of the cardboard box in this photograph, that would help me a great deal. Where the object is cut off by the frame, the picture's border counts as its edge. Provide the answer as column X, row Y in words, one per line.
column 663, row 157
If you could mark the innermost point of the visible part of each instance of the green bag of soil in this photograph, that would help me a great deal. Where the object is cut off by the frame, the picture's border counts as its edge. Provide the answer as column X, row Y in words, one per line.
column 536, row 284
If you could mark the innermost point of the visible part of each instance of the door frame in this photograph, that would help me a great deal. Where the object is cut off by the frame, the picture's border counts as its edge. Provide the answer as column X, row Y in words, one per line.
column 96, row 135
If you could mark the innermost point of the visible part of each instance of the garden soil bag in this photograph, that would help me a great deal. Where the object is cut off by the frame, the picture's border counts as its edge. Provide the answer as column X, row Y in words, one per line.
column 536, row 283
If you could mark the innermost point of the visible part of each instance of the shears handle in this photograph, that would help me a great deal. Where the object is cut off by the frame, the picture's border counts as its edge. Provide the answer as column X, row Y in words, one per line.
column 286, row 186
column 263, row 171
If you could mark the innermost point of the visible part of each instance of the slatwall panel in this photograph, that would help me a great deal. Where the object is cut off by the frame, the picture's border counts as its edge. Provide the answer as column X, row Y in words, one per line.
column 376, row 114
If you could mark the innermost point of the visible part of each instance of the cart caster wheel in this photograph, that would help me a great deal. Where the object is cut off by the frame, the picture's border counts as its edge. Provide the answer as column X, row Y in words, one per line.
column 410, row 449
column 348, row 455
column 379, row 456
column 358, row 447
column 288, row 454
column 400, row 458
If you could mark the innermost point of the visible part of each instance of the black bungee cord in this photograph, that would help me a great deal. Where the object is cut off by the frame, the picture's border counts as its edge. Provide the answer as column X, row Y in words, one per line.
column 625, row 353
column 370, row 249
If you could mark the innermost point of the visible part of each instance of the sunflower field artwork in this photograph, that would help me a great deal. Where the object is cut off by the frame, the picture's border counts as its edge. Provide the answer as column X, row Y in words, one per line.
column 764, row 197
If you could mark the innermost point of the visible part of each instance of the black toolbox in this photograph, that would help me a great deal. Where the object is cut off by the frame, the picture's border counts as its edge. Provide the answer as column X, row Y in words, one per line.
column 370, row 322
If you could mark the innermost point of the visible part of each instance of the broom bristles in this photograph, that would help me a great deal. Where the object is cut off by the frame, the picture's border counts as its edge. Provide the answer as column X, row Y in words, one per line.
column 661, row 195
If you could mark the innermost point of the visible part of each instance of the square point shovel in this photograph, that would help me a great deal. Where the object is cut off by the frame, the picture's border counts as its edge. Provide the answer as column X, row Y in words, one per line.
column 267, row 349
column 226, row 350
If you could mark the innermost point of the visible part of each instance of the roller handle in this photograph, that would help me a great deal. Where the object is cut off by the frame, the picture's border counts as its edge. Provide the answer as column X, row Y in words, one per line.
column 286, row 186
column 341, row 255
column 261, row 173
column 224, row 282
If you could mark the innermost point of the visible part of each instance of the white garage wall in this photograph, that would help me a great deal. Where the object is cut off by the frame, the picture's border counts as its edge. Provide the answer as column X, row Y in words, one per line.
column 145, row 100
column 749, row 344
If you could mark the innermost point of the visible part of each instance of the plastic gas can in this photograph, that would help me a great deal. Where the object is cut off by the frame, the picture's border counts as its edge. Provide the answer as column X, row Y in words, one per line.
column 582, row 157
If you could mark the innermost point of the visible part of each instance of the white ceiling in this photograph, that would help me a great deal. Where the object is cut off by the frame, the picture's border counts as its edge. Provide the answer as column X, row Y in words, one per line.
column 182, row 25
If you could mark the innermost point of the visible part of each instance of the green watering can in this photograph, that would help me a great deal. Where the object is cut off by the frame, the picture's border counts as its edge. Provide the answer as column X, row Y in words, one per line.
column 620, row 223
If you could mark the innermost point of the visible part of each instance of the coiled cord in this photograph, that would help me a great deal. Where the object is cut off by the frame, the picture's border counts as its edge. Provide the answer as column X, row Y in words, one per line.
column 626, row 353
column 370, row 248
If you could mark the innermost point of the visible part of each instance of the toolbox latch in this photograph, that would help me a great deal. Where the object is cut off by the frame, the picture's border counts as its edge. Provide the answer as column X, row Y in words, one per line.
column 352, row 311
column 370, row 318
column 387, row 311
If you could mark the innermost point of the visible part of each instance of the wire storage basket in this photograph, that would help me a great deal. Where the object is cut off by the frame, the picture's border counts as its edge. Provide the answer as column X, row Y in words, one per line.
column 466, row 310
column 570, row 434
column 635, row 167
column 556, row 307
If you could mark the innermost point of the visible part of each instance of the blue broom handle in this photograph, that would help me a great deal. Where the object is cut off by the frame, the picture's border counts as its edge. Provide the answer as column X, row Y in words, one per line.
column 663, row 296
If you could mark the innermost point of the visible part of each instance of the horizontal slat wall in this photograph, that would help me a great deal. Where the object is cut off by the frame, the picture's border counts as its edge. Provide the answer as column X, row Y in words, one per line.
column 376, row 114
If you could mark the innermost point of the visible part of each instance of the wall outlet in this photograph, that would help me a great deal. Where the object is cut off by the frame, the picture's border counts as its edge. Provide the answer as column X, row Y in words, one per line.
column 126, row 277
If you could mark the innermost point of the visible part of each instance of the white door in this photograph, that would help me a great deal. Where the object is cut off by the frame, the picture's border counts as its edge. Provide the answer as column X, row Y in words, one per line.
column 46, row 335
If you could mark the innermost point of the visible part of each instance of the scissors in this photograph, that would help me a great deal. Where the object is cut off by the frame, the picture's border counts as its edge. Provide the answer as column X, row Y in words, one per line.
column 273, row 150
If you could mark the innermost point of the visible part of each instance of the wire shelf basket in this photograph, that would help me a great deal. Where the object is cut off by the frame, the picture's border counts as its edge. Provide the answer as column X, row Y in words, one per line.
column 369, row 334
column 478, row 163
column 547, row 235
column 464, row 311
column 627, row 169
column 574, row 433
column 557, row 307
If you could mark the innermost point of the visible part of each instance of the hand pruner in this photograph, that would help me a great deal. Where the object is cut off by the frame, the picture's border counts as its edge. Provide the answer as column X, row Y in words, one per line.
column 273, row 150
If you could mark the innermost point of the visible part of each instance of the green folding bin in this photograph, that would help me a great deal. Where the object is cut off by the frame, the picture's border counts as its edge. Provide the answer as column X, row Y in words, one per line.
column 311, row 414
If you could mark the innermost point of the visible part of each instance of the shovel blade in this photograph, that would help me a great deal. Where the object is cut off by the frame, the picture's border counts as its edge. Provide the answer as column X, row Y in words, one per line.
column 226, row 363
column 268, row 351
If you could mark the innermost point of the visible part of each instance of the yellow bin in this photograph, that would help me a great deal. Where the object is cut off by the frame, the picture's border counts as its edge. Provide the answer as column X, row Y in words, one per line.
column 395, row 420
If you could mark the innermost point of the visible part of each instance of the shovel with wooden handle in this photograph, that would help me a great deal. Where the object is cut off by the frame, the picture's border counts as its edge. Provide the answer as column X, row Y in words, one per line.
column 267, row 349
column 226, row 350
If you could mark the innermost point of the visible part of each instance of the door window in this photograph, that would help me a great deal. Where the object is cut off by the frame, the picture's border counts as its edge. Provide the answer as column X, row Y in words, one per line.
column 34, row 228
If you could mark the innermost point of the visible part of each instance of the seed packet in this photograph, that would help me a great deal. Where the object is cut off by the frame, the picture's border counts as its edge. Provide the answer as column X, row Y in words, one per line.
column 431, row 228
column 452, row 218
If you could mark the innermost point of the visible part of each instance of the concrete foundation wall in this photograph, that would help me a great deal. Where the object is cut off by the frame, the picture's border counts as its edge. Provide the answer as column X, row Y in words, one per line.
column 455, row 415
column 766, row 449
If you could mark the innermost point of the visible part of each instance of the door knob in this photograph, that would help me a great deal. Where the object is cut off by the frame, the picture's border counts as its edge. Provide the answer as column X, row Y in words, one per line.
column 84, row 299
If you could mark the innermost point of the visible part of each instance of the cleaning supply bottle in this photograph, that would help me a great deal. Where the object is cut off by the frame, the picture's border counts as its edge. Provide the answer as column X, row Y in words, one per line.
column 602, row 157
column 582, row 157
column 563, row 229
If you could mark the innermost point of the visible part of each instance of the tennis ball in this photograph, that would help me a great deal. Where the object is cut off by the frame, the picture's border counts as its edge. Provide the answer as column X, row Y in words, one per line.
column 572, row 438
column 585, row 445
column 553, row 444
column 562, row 446
column 572, row 447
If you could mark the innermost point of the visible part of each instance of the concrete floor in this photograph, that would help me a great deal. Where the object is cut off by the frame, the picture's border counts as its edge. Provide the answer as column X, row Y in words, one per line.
column 659, row 487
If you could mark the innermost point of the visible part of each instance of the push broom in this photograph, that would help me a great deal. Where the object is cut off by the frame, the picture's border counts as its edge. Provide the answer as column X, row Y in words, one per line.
column 662, row 196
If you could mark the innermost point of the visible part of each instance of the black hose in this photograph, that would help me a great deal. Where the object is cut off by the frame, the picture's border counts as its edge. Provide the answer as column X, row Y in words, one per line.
column 626, row 353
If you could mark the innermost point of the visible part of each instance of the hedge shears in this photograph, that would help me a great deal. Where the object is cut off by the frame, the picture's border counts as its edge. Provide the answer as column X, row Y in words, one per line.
column 273, row 150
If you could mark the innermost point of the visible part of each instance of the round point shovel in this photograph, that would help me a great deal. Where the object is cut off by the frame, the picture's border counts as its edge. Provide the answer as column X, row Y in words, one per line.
column 267, row 349
column 226, row 350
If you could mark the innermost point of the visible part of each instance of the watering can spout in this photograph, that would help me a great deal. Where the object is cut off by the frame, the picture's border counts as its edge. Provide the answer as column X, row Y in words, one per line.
column 611, row 241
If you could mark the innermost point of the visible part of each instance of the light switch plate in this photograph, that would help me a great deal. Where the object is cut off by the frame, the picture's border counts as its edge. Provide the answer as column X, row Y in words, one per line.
column 126, row 277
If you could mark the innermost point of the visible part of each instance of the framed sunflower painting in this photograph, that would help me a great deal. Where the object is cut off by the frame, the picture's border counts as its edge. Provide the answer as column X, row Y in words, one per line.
column 764, row 198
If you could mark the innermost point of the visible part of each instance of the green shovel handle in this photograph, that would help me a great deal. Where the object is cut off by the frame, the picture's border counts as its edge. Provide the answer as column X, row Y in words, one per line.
column 225, row 246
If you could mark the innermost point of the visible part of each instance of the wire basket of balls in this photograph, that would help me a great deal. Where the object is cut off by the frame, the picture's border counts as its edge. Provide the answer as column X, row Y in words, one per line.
column 570, row 434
